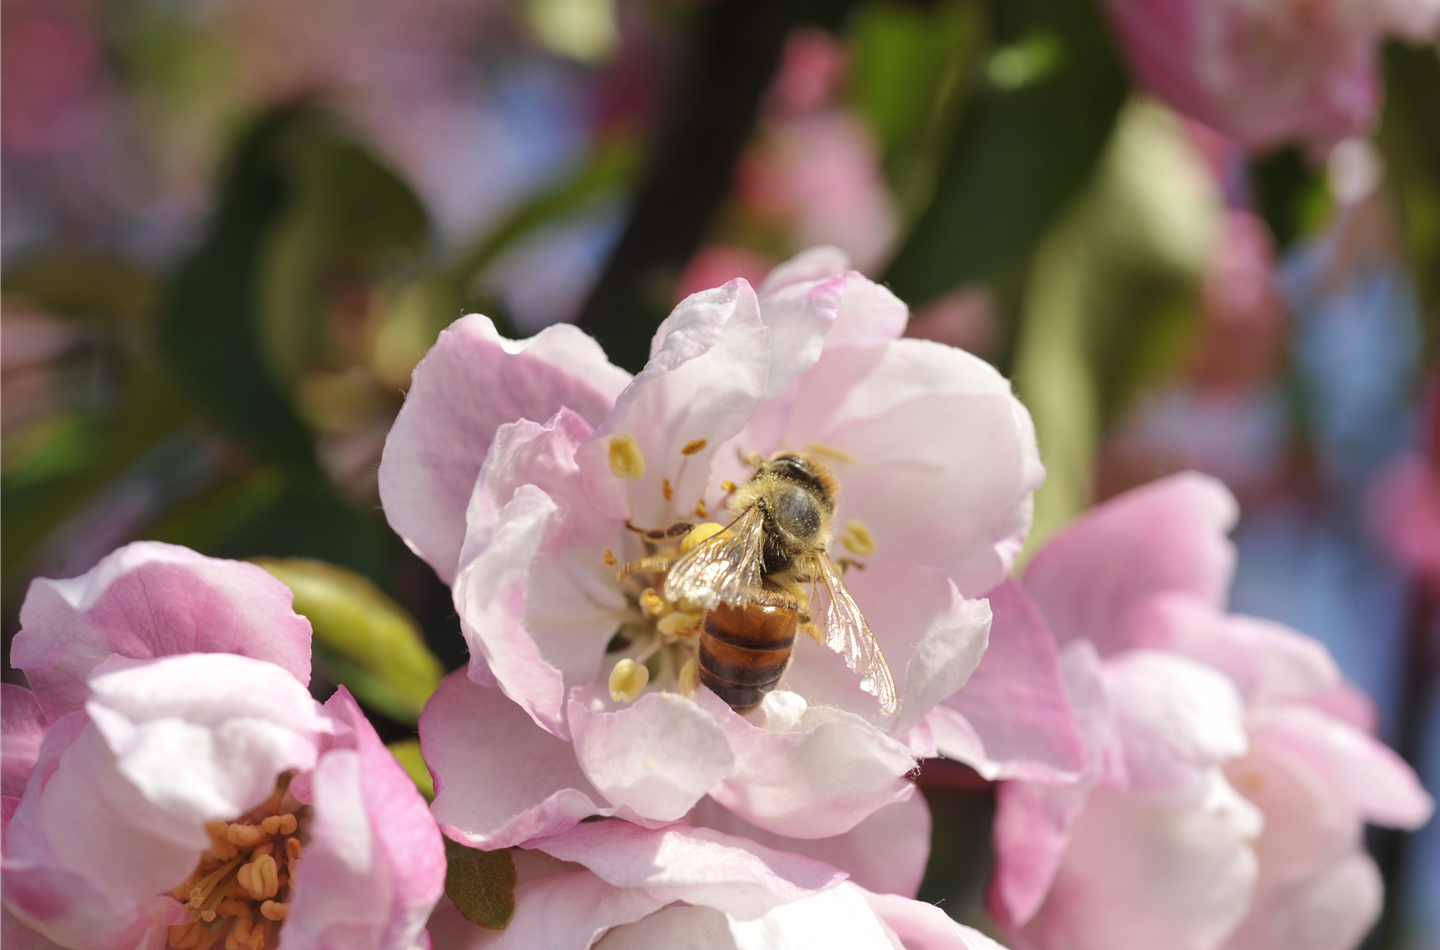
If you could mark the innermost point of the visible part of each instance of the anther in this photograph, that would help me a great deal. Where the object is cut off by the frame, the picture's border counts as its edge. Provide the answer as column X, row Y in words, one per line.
column 729, row 487
column 186, row 936
column 260, row 877
column 273, row 911
column 696, row 446
column 610, row 559
column 653, row 605
column 667, row 490
column 233, row 908
column 626, row 459
column 699, row 535
column 293, row 847
column 858, row 539
column 700, row 510
column 244, row 836
column 627, row 680
column 677, row 624
column 689, row 678
column 279, row 824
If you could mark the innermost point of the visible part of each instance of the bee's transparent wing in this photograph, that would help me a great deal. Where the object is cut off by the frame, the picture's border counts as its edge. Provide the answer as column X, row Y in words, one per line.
column 722, row 569
column 840, row 622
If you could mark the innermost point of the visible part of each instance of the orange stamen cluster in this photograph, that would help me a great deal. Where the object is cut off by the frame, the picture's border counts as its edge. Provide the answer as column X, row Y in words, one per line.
column 239, row 892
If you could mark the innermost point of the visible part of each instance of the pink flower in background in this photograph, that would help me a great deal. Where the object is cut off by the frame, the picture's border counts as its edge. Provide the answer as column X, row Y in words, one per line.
column 170, row 779
column 1232, row 769
column 614, row 885
column 499, row 473
column 1269, row 71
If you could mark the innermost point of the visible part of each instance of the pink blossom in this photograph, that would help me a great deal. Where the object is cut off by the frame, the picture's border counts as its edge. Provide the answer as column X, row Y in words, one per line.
column 615, row 885
column 1268, row 71
column 1231, row 772
column 498, row 472
column 157, row 764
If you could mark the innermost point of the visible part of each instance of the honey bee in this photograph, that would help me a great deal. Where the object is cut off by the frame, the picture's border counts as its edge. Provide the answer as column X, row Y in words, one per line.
column 749, row 576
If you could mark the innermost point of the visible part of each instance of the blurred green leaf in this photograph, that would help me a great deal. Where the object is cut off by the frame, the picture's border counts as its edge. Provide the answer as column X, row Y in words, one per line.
column 481, row 883
column 407, row 753
column 1410, row 141
column 370, row 643
column 209, row 322
column 1022, row 150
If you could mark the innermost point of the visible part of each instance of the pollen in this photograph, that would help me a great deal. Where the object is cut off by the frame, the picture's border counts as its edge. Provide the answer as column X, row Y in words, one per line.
column 667, row 489
column 626, row 459
column 677, row 624
column 700, row 510
column 696, row 446
column 610, row 559
column 857, row 539
column 627, row 680
column 699, row 535
column 653, row 605
column 273, row 911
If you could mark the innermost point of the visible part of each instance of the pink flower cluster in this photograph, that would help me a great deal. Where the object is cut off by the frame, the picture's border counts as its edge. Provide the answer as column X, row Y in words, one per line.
column 1269, row 71
column 1171, row 776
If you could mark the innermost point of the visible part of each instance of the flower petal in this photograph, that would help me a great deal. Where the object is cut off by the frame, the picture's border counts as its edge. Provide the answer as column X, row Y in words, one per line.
column 564, row 910
column 922, row 926
column 812, row 772
column 499, row 778
column 655, row 757
column 469, row 384
column 1015, row 721
column 799, row 317
column 148, row 600
column 886, row 852
column 24, row 729
column 736, row 876
column 869, row 312
column 1166, row 537
column 835, row 919
column 1333, row 910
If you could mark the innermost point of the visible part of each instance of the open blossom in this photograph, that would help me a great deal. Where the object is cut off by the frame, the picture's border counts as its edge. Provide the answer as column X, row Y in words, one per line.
column 614, row 885
column 170, row 780
column 1268, row 71
column 514, row 467
column 1232, row 768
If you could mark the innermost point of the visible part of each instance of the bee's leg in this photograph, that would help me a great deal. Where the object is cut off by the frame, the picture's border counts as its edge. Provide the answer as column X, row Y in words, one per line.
column 677, row 530
column 845, row 563
column 783, row 599
column 651, row 565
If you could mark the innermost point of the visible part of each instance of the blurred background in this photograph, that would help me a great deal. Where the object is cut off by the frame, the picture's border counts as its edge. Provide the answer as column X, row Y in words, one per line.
column 231, row 228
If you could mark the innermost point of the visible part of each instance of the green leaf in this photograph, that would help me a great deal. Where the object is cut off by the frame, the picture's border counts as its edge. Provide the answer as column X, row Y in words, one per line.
column 1026, row 143
column 481, row 883
column 407, row 753
column 367, row 641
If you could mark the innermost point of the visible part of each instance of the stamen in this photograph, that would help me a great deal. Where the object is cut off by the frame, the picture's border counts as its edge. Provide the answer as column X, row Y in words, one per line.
column 689, row 678
column 858, row 539
column 626, row 459
column 653, row 605
column 260, row 877
column 700, row 510
column 696, row 446
column 293, row 847
column 610, row 559
column 281, row 824
column 244, row 836
column 186, row 936
column 273, row 911
column 699, row 535
column 233, row 908
column 677, row 624
column 667, row 490
column 627, row 681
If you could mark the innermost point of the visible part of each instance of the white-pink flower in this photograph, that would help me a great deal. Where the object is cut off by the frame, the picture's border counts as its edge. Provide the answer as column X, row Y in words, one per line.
column 171, row 781
column 615, row 885
column 1269, row 71
column 499, row 473
column 1232, row 768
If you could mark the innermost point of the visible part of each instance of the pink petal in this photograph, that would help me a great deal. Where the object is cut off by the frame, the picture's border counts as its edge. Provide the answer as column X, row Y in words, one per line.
column 886, row 852
column 16, row 936
column 24, row 729
column 1140, row 874
column 149, row 600
column 470, row 383
column 655, row 757
column 1033, row 819
column 799, row 317
column 1014, row 705
column 733, row 875
column 1174, row 718
column 923, row 926
column 1332, row 910
column 812, row 771
column 708, row 369
column 838, row 918
column 933, row 453
column 813, row 264
column 678, row 925
column 499, row 778
column 869, row 313
column 1167, row 537
column 563, row 910
column 1377, row 782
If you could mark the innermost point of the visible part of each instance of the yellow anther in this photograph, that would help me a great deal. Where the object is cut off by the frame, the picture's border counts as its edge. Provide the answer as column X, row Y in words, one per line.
column 244, row 836
column 279, row 824
column 692, row 447
column 217, row 829
column 700, row 510
column 610, row 559
column 626, row 459
column 677, row 624
column 288, row 824
column 699, row 534
column 858, row 539
column 293, row 847
column 653, row 605
column 627, row 680
column 729, row 487
column 239, row 937
column 260, row 877
column 829, row 451
column 186, row 936
column 273, row 911
column 271, row 824
column 689, row 678
column 667, row 490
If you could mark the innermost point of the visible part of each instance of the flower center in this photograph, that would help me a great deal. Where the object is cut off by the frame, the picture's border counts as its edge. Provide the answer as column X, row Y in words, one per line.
column 240, row 889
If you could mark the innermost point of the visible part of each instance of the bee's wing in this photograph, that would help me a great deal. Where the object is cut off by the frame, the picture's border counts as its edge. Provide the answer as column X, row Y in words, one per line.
column 724, row 568
column 839, row 620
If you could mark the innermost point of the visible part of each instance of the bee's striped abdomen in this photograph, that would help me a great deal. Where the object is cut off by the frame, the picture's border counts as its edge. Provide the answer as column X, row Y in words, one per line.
column 744, row 651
